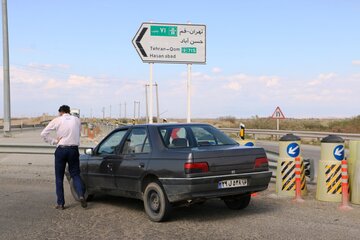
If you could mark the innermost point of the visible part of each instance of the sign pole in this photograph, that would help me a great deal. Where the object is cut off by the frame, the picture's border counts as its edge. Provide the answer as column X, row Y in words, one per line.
column 188, row 93
column 6, row 67
column 151, row 93
column 146, row 104
column 157, row 103
column 278, row 114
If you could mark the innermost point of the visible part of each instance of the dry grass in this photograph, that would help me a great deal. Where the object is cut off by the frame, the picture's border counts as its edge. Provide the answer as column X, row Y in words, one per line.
column 347, row 125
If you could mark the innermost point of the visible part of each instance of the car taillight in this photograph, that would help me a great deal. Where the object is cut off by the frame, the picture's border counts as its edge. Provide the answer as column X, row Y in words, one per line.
column 261, row 162
column 199, row 167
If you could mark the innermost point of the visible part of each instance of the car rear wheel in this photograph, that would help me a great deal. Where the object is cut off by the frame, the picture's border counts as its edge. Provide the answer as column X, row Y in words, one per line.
column 156, row 204
column 237, row 202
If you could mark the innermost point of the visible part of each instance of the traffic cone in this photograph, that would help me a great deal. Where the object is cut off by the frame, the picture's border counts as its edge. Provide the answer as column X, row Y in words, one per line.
column 298, row 197
column 344, row 187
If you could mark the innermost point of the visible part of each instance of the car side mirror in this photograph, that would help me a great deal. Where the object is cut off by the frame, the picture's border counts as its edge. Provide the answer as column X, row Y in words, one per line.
column 89, row 151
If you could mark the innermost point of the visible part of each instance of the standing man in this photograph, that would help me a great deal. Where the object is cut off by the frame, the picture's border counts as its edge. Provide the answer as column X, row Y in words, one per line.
column 68, row 130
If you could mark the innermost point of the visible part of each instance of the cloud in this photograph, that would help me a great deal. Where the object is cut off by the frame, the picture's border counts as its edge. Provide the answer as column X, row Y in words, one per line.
column 322, row 78
column 270, row 81
column 356, row 62
column 131, row 87
column 80, row 81
column 20, row 76
column 198, row 76
column 216, row 70
column 234, row 82
column 213, row 93
column 49, row 66
column 233, row 85
column 74, row 81
column 238, row 77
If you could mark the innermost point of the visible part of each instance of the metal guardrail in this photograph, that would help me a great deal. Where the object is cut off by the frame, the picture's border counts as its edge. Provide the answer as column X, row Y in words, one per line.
column 31, row 148
column 304, row 134
column 19, row 128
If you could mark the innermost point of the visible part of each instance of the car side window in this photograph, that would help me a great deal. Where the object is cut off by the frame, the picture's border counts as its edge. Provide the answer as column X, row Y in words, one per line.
column 203, row 137
column 112, row 143
column 175, row 137
column 137, row 141
column 208, row 136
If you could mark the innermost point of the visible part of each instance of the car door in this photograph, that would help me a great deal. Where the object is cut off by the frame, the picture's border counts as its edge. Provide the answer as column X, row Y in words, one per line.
column 135, row 154
column 102, row 163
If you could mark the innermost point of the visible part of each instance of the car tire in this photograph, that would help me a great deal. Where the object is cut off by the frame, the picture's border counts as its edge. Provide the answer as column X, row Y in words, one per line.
column 156, row 204
column 237, row 202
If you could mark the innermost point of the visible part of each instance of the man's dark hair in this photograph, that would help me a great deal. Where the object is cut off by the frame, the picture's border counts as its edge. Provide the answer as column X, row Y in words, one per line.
column 64, row 109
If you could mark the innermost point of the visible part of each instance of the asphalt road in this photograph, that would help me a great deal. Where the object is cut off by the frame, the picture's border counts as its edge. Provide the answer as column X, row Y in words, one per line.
column 27, row 198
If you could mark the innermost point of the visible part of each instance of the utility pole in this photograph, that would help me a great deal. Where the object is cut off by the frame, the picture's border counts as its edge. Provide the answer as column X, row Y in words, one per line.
column 110, row 112
column 6, row 70
column 138, row 112
column 103, row 112
column 120, row 110
column 125, row 110
column 157, row 102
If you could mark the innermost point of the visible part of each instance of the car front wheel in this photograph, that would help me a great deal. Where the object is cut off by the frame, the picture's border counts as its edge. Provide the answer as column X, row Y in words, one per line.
column 237, row 202
column 156, row 204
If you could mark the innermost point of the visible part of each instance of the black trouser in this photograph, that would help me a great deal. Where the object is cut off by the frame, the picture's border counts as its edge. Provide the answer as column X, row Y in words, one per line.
column 70, row 155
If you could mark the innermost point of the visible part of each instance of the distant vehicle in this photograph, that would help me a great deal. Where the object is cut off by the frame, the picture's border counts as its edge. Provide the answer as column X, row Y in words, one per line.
column 168, row 165
column 75, row 112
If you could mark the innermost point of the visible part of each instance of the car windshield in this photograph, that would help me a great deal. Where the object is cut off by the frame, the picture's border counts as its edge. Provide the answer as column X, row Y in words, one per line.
column 193, row 136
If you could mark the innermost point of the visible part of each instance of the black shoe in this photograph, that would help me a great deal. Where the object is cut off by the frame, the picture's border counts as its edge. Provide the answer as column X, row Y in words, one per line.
column 83, row 202
column 60, row 207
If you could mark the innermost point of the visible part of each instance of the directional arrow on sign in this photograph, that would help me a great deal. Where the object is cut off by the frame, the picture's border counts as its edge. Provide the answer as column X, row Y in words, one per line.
column 292, row 151
column 138, row 40
column 339, row 151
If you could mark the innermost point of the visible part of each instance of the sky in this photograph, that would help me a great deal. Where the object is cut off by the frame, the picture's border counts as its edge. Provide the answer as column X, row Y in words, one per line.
column 303, row 56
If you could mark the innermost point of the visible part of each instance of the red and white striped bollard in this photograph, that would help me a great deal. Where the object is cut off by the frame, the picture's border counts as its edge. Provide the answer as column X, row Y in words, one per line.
column 345, row 186
column 298, row 197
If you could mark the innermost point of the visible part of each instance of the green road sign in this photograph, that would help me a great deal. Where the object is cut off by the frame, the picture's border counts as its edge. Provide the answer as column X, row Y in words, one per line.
column 171, row 43
column 188, row 50
column 165, row 31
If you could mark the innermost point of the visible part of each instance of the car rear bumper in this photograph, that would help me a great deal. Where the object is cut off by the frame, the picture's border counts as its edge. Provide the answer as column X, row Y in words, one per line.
column 179, row 189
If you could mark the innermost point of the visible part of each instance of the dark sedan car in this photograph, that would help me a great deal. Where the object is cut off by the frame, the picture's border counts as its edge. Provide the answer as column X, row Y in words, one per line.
column 168, row 165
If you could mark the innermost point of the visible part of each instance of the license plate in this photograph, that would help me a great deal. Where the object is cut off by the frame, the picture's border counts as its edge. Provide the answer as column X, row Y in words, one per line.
column 233, row 183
